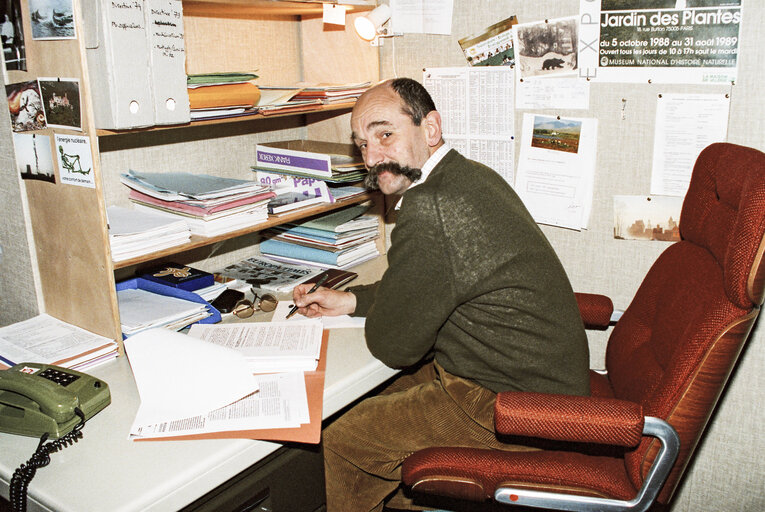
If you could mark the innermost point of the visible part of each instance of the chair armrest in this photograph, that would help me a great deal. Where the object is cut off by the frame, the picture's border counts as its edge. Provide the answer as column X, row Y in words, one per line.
column 595, row 310
column 578, row 419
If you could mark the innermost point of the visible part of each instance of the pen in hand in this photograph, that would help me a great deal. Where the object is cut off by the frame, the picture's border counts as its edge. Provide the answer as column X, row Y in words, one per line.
column 315, row 287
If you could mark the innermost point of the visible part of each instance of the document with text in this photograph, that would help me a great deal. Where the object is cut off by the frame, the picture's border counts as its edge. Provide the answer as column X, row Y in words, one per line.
column 477, row 112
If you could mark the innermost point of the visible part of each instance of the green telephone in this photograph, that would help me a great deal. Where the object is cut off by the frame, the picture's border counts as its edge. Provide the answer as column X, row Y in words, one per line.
column 43, row 398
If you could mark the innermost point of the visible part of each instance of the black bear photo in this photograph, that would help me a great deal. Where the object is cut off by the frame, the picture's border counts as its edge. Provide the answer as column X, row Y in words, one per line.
column 552, row 64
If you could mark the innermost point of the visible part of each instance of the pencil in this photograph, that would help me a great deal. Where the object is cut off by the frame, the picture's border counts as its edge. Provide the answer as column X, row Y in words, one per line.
column 315, row 287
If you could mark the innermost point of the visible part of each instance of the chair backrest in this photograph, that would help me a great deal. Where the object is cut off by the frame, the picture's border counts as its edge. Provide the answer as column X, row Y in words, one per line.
column 676, row 344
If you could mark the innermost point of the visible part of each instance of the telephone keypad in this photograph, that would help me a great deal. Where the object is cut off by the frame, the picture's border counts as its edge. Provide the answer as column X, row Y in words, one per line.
column 58, row 376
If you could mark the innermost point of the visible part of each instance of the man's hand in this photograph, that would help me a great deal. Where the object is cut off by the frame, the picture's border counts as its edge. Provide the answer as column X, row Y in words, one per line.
column 323, row 302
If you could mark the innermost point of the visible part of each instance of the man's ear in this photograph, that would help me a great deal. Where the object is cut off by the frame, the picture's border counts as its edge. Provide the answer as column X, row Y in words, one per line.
column 432, row 124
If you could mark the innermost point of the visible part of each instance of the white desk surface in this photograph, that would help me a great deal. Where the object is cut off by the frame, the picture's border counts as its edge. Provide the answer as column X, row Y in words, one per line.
column 106, row 471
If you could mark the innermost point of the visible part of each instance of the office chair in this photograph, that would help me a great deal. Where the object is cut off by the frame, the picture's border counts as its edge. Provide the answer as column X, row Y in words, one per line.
column 626, row 446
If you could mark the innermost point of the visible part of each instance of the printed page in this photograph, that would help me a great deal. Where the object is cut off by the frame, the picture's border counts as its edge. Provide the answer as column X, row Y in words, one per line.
column 179, row 376
column 556, row 169
column 280, row 402
column 421, row 16
column 476, row 107
column 268, row 346
column 685, row 124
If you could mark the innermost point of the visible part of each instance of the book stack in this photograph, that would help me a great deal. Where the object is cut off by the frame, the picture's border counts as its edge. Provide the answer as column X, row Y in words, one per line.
column 210, row 205
column 335, row 164
column 341, row 239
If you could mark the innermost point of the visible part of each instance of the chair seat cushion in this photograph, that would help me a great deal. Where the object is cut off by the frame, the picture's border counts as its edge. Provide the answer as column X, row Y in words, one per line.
column 474, row 474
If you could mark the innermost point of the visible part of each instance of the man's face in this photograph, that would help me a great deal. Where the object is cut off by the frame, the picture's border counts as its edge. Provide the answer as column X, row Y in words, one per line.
column 386, row 135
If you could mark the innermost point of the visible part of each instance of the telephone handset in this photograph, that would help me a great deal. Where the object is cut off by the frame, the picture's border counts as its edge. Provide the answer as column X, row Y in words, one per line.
column 42, row 398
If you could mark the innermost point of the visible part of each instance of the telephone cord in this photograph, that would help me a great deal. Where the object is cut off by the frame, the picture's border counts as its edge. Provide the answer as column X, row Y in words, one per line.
column 41, row 458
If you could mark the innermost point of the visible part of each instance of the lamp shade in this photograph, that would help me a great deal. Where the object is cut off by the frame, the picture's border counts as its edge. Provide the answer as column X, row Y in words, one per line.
column 368, row 26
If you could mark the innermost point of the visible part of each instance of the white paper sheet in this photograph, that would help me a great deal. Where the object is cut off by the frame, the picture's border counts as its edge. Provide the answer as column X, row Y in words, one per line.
column 557, row 93
column 685, row 124
column 268, row 347
column 556, row 169
column 421, row 16
column 179, row 376
column 477, row 112
column 281, row 402
column 328, row 322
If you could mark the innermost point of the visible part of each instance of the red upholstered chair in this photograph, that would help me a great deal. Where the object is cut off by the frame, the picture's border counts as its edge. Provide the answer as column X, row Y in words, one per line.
column 668, row 359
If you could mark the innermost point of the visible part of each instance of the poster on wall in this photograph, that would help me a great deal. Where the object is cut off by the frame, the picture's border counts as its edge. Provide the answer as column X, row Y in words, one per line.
column 492, row 46
column 12, row 35
column 685, row 125
column 477, row 114
column 75, row 162
column 34, row 158
column 649, row 218
column 52, row 19
column 546, row 48
column 661, row 41
column 61, row 102
column 25, row 106
column 556, row 169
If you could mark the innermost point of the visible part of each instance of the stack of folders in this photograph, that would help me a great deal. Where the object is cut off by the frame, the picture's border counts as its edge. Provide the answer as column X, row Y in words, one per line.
column 341, row 239
column 44, row 339
column 134, row 233
column 331, row 93
column 210, row 205
column 219, row 95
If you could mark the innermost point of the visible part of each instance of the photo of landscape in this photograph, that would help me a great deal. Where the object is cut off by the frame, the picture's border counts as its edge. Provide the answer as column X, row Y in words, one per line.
column 556, row 134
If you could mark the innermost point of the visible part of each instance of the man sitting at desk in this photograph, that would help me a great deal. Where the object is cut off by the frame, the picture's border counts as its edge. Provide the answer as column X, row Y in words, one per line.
column 474, row 301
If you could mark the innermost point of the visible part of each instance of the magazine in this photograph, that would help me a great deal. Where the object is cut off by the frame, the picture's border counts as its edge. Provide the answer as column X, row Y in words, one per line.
column 268, row 274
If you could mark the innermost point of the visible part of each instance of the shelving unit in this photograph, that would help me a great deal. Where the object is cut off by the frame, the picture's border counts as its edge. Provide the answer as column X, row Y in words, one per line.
column 69, row 224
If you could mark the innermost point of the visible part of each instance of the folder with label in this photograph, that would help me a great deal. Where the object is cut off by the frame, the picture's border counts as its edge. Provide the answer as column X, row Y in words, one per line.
column 167, row 60
column 116, row 48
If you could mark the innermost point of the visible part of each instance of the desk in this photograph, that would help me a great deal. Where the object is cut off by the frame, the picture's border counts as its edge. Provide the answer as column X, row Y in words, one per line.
column 106, row 472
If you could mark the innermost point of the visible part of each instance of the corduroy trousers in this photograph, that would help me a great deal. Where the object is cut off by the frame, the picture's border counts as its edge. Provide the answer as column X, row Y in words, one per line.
column 365, row 447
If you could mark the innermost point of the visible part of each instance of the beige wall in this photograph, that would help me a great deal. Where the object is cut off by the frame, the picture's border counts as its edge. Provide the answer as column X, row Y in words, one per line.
column 18, row 296
column 728, row 472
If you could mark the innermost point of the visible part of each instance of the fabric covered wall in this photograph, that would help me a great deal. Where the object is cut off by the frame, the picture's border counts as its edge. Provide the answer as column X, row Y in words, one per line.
column 18, row 295
column 727, row 471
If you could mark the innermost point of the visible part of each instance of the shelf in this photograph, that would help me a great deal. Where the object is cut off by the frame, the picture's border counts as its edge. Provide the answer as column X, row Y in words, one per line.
column 255, row 8
column 205, row 122
column 273, row 220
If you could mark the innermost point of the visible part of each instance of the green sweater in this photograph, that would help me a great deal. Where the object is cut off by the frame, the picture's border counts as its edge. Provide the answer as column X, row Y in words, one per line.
column 472, row 279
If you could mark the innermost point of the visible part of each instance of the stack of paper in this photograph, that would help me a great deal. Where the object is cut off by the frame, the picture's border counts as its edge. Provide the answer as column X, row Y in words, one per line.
column 340, row 239
column 210, row 205
column 268, row 274
column 141, row 310
column 268, row 347
column 331, row 93
column 134, row 233
column 44, row 339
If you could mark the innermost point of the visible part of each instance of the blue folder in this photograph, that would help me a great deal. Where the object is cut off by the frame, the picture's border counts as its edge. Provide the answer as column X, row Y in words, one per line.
column 161, row 289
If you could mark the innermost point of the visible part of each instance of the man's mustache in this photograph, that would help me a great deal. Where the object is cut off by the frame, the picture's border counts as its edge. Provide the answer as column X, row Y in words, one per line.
column 411, row 173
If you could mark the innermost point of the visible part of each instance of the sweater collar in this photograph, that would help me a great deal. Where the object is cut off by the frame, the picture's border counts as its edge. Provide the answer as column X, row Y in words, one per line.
column 427, row 168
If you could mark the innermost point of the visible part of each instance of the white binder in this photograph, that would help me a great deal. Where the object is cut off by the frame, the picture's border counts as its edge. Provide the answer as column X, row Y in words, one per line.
column 117, row 51
column 167, row 56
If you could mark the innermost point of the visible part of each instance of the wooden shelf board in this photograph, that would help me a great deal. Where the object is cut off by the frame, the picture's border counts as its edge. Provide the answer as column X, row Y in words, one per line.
column 254, row 8
column 273, row 220
column 325, row 108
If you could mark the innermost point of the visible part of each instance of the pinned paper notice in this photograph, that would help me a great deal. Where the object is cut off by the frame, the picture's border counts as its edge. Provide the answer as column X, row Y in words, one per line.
column 334, row 14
